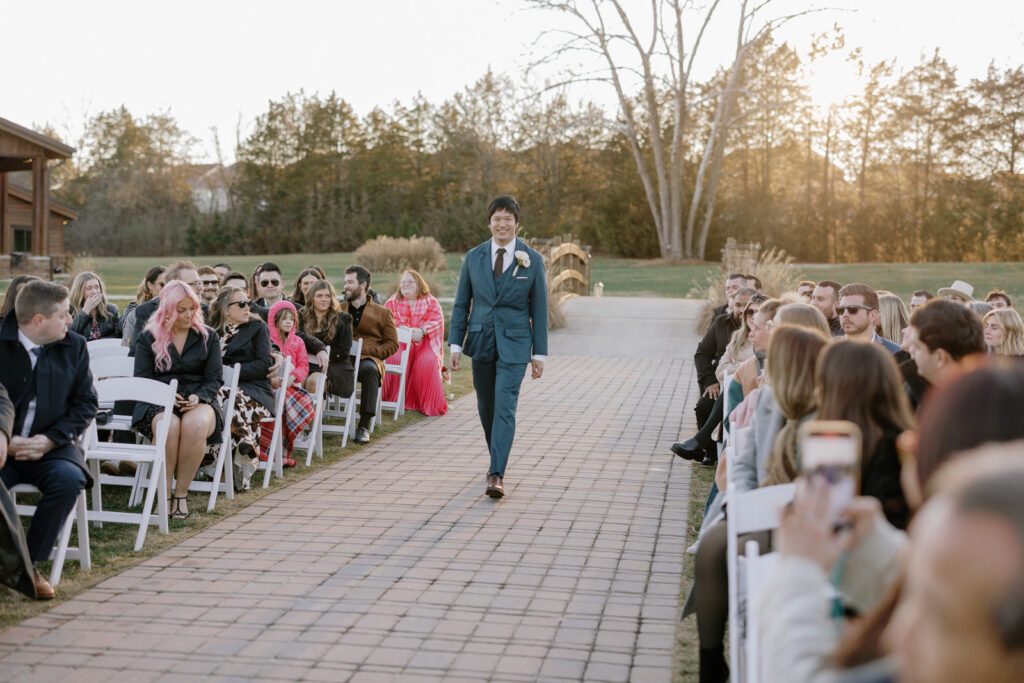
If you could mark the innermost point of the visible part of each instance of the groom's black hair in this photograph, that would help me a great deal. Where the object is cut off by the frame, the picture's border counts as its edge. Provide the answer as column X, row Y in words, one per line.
column 504, row 202
column 362, row 274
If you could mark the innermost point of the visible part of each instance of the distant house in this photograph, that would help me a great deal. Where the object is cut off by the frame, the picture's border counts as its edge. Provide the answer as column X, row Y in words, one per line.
column 211, row 186
column 31, row 223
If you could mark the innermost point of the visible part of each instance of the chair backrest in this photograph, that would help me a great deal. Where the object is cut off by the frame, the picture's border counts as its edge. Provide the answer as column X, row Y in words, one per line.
column 404, row 344
column 108, row 352
column 285, row 372
column 230, row 375
column 356, row 352
column 136, row 389
column 111, row 366
column 758, row 510
column 108, row 343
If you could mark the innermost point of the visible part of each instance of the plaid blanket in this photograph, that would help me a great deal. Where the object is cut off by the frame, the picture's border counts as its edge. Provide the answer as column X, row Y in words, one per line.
column 298, row 414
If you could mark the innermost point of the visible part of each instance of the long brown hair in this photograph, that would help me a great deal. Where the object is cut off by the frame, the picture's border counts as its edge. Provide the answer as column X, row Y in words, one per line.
column 219, row 309
column 77, row 295
column 792, row 358
column 308, row 322
column 142, row 294
column 859, row 381
column 297, row 297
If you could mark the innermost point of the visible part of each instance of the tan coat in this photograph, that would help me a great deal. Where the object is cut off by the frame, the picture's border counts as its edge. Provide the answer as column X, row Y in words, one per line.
column 377, row 330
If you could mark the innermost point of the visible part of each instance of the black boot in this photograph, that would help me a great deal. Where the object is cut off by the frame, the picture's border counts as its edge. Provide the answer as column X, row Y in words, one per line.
column 691, row 449
column 712, row 666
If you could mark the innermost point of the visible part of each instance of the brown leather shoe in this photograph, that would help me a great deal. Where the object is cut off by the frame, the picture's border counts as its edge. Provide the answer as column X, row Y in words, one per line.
column 494, row 487
column 44, row 591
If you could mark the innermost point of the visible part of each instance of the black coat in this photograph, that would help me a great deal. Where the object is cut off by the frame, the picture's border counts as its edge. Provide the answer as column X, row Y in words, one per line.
column 880, row 478
column 6, row 413
column 340, row 371
column 712, row 347
column 198, row 368
column 109, row 327
column 65, row 398
column 146, row 309
column 251, row 347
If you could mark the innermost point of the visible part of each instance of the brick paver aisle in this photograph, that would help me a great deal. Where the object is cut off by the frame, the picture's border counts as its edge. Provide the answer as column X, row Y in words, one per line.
column 393, row 564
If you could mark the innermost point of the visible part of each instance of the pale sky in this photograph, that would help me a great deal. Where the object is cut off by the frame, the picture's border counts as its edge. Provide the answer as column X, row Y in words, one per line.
column 218, row 62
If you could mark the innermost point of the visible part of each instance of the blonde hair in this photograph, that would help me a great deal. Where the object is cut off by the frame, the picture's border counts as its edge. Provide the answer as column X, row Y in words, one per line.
column 892, row 317
column 1013, row 331
column 803, row 315
column 77, row 295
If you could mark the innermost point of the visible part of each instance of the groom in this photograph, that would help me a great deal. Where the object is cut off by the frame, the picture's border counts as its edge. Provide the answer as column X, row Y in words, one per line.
column 500, row 320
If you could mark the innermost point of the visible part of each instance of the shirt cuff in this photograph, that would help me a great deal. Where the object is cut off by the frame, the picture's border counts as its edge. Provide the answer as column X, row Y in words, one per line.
column 542, row 359
column 455, row 348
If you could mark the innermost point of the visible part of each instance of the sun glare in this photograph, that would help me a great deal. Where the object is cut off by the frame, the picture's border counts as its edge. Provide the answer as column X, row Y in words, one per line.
column 832, row 79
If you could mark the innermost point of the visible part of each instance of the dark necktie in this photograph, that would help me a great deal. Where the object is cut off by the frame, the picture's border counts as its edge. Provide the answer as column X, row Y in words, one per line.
column 499, row 262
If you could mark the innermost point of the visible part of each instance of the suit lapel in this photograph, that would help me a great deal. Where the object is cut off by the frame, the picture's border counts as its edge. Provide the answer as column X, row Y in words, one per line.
column 487, row 269
column 503, row 281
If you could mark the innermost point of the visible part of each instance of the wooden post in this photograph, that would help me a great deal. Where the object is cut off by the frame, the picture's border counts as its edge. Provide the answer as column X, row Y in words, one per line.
column 40, row 206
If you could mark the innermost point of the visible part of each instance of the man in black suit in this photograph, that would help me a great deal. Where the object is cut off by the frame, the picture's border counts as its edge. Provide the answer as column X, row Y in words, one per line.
column 46, row 373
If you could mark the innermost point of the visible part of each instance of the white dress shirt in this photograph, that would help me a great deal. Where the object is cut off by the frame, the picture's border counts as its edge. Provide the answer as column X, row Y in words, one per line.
column 506, row 260
column 30, row 415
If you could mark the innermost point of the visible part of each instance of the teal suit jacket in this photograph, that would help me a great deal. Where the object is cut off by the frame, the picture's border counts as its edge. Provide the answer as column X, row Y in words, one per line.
column 505, row 318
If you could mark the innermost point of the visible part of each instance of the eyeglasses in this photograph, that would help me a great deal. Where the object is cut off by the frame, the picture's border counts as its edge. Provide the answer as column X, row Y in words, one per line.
column 241, row 304
column 269, row 283
column 210, row 283
column 852, row 310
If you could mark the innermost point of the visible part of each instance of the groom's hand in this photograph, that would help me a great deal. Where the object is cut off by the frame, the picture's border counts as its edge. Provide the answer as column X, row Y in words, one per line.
column 454, row 360
column 538, row 368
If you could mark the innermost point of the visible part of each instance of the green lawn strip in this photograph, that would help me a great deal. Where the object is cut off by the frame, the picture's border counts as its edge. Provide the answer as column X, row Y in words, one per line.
column 111, row 546
column 685, row 664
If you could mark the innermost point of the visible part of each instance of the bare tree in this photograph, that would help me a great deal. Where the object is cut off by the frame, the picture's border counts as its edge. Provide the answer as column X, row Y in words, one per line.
column 657, row 123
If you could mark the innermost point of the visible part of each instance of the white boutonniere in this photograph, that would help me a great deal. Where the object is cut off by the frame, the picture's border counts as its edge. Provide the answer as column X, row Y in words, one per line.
column 522, row 261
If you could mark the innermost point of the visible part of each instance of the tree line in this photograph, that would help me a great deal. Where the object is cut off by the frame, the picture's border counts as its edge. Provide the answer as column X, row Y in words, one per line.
column 918, row 167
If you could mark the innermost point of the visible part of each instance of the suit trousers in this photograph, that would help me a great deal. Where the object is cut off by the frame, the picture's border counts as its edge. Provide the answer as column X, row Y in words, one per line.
column 369, row 384
column 497, row 395
column 60, row 482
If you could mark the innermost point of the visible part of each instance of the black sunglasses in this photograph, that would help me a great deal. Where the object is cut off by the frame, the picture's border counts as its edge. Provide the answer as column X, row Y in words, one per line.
column 269, row 283
column 241, row 304
column 852, row 309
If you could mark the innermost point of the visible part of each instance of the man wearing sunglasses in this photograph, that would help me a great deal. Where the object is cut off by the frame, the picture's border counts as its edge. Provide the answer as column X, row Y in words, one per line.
column 859, row 316
column 211, row 284
column 266, row 283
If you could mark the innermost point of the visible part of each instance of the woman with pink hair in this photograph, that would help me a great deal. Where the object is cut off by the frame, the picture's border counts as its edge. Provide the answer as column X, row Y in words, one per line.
column 175, row 344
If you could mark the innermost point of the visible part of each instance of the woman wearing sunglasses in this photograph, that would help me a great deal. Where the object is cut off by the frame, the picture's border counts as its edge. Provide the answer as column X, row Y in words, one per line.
column 244, row 339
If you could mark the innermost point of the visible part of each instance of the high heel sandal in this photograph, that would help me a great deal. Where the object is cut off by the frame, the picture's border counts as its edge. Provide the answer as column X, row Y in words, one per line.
column 176, row 513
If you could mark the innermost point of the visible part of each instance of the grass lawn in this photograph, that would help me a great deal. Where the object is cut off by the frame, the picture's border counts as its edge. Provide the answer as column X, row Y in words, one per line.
column 686, row 664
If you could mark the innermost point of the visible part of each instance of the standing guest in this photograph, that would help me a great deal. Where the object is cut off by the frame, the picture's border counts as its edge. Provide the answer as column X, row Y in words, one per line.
column 45, row 371
column 323, row 320
column 375, row 325
column 415, row 308
column 186, row 272
column 176, row 345
column 826, row 297
column 210, row 283
column 222, row 269
column 1004, row 332
column 997, row 298
column 941, row 335
column 980, row 308
column 892, row 317
column 298, row 404
column 148, row 289
column 920, row 298
column 93, row 316
column 266, row 283
column 307, row 277
column 12, row 293
column 959, row 291
column 859, row 316
column 244, row 339
column 805, row 289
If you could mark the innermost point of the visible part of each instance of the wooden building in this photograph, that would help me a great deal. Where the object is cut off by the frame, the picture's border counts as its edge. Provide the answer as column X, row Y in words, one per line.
column 31, row 224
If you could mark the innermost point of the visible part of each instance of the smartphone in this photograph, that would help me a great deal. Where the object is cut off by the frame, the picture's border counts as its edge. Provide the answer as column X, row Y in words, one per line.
column 830, row 451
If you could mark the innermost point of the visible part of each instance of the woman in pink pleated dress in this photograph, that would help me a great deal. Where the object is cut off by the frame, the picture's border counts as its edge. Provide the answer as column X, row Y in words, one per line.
column 414, row 307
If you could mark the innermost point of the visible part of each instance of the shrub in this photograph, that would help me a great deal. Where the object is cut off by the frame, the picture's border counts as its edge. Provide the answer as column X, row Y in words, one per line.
column 395, row 254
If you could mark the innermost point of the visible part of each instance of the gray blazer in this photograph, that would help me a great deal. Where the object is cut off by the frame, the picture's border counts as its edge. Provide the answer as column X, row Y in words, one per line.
column 752, row 460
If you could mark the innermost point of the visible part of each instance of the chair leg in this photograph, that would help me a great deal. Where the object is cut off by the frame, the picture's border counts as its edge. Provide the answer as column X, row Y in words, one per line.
column 61, row 551
column 82, row 522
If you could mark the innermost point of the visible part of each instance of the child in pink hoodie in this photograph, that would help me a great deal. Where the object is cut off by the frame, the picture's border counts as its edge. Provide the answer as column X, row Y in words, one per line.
column 298, row 404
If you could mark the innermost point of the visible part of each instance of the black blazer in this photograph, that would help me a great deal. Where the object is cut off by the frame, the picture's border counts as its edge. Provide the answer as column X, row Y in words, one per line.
column 6, row 413
column 65, row 397
column 251, row 347
column 197, row 369
column 711, row 348
column 109, row 327
column 146, row 309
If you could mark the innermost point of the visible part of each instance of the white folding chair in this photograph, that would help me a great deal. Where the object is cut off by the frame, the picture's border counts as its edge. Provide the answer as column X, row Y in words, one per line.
column 313, row 439
column 109, row 343
column 400, row 369
column 758, row 569
column 62, row 551
column 224, row 453
column 275, row 454
column 748, row 512
column 343, row 408
column 151, row 455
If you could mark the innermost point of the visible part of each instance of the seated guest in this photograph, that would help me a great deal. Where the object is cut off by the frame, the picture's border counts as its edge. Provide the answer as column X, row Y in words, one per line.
column 12, row 293
column 210, row 283
column 375, row 325
column 710, row 350
column 733, row 283
column 149, row 288
column 184, row 271
column 45, row 371
column 920, row 298
column 959, row 291
column 942, row 334
column 267, row 284
column 222, row 269
column 298, row 404
column 805, row 289
column 980, row 308
column 93, row 317
column 307, row 277
column 892, row 317
column 754, row 281
column 825, row 298
column 859, row 316
column 323, row 320
column 997, row 298
column 1004, row 332
column 244, row 339
column 415, row 308
column 176, row 345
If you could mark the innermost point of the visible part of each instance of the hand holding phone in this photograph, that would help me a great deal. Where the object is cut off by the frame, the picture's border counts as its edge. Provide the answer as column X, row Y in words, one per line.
column 830, row 453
